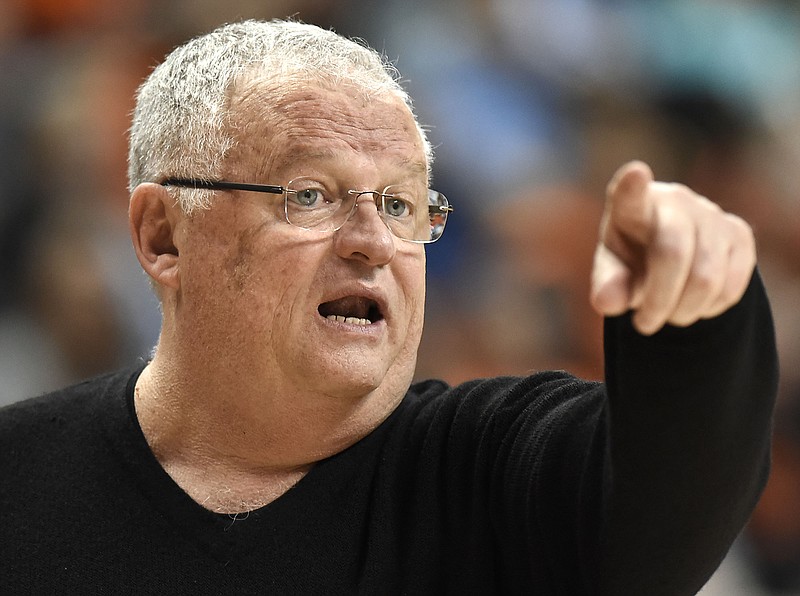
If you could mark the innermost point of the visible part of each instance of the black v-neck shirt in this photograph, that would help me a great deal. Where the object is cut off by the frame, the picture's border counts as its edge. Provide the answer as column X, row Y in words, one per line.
column 538, row 485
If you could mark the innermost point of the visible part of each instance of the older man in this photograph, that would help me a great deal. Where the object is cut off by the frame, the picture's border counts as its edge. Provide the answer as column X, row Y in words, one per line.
column 274, row 443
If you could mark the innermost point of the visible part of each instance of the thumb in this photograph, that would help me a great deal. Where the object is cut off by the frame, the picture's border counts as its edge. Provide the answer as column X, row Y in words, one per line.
column 611, row 291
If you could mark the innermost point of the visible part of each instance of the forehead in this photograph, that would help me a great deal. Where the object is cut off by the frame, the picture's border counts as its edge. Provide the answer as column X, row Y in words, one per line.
column 279, row 130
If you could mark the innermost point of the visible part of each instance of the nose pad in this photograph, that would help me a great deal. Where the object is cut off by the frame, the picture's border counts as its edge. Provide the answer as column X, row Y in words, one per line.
column 374, row 198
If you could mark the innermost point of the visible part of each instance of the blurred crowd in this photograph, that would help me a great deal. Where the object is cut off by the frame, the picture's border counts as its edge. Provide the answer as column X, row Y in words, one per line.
column 531, row 104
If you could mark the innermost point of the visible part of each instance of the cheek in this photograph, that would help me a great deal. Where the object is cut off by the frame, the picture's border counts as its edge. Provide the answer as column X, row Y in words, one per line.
column 412, row 281
column 263, row 280
column 248, row 308
column 227, row 272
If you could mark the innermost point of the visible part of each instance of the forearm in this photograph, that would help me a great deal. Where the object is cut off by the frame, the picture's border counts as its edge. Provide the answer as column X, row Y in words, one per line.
column 689, row 430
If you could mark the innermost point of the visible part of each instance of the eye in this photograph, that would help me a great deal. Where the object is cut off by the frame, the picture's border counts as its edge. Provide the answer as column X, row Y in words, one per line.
column 396, row 207
column 308, row 197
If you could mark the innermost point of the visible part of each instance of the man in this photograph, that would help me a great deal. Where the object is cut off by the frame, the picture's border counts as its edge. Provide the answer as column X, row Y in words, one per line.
column 273, row 445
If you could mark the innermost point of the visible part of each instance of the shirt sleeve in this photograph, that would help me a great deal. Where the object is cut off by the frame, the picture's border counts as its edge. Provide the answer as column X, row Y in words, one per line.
column 688, row 445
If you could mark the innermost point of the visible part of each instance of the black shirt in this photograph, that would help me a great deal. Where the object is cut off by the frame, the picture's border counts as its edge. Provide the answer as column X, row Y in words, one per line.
column 539, row 485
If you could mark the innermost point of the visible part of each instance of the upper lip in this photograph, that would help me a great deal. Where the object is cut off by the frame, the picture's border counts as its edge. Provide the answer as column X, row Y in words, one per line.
column 358, row 291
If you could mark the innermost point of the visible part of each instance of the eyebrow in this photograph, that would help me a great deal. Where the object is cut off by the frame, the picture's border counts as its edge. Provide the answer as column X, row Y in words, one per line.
column 415, row 166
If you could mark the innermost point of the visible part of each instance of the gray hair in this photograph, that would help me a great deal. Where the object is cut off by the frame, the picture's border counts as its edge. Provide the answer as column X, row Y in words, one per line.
column 179, row 126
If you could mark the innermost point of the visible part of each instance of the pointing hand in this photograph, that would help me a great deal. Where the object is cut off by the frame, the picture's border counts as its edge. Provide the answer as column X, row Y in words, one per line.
column 667, row 254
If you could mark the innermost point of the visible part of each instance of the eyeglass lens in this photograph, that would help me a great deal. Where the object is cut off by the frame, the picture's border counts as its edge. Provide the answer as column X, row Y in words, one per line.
column 309, row 205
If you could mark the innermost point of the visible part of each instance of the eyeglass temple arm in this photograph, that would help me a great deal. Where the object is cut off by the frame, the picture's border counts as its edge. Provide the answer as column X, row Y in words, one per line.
column 222, row 185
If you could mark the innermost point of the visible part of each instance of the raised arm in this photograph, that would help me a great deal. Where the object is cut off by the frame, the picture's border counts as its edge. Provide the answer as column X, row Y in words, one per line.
column 691, row 374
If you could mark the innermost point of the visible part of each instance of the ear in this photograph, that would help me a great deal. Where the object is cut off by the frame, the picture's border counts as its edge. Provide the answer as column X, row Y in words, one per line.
column 153, row 219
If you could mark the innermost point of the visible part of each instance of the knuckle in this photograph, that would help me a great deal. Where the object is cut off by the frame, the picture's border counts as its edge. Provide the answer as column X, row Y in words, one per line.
column 705, row 274
column 675, row 188
column 741, row 229
column 672, row 242
column 680, row 192
column 710, row 263
column 684, row 197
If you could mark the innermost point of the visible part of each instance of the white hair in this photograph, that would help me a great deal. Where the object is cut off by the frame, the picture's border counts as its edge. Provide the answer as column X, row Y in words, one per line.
column 179, row 126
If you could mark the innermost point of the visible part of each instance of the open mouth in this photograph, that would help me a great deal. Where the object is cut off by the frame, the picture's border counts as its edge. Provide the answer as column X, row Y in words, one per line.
column 354, row 310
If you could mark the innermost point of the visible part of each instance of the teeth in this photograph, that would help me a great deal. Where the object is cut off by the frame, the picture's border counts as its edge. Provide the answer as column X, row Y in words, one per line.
column 349, row 320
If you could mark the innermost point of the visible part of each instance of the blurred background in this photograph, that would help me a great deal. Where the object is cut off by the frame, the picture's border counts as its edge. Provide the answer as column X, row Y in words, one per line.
column 532, row 104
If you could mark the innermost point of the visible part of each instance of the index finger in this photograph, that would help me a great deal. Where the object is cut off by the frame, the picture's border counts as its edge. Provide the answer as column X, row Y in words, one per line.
column 627, row 209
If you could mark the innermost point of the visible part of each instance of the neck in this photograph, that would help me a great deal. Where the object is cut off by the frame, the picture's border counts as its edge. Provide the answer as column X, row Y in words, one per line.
column 234, row 447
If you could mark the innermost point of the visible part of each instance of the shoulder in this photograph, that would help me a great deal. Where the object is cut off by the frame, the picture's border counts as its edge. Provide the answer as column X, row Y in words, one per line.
column 545, row 390
column 501, row 404
column 51, row 417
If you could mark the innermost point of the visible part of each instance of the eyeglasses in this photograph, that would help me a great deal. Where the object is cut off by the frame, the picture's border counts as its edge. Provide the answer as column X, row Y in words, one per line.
column 309, row 205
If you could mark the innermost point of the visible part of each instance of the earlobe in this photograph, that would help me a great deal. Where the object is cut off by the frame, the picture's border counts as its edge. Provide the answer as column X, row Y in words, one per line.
column 153, row 219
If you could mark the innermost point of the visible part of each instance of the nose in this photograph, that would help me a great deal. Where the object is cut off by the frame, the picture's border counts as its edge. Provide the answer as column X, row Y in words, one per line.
column 364, row 236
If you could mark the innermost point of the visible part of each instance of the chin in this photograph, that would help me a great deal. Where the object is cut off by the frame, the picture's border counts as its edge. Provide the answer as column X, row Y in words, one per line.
column 350, row 384
column 355, row 380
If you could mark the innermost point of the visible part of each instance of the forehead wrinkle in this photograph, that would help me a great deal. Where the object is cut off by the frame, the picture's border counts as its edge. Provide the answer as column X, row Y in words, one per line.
column 295, row 151
column 333, row 113
column 358, row 134
column 318, row 125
